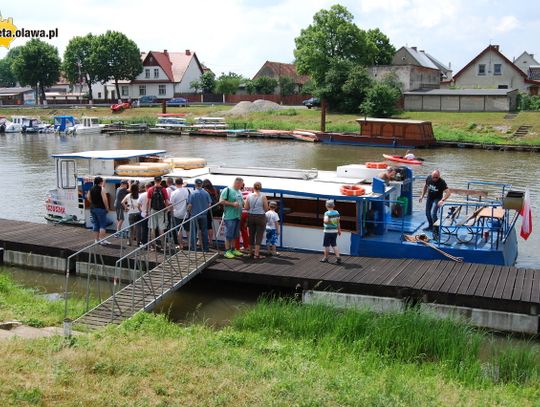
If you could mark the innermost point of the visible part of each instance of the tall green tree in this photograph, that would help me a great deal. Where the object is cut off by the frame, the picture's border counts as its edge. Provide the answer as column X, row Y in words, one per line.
column 287, row 86
column 330, row 40
column 195, row 85
column 78, row 65
column 382, row 98
column 7, row 76
column 227, row 84
column 383, row 50
column 208, row 82
column 116, row 57
column 37, row 65
column 265, row 85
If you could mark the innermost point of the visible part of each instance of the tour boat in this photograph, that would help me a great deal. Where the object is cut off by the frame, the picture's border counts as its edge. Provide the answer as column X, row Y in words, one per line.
column 378, row 220
column 400, row 159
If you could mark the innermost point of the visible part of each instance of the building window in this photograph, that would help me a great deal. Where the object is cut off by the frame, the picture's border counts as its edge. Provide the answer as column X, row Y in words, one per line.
column 481, row 69
column 142, row 90
column 125, row 91
column 147, row 73
column 99, row 95
column 162, row 89
column 156, row 72
column 502, row 87
column 497, row 69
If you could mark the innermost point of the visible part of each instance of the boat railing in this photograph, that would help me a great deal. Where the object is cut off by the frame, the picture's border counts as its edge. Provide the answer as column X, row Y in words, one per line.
column 475, row 224
column 94, row 259
column 384, row 220
column 176, row 263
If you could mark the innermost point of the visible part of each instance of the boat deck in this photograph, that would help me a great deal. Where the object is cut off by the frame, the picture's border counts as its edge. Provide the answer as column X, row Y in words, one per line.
column 485, row 286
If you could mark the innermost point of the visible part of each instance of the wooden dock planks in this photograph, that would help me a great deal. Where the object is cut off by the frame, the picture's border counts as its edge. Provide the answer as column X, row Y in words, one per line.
column 507, row 288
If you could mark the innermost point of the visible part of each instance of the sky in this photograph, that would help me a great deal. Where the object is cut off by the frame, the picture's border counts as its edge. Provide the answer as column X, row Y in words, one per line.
column 240, row 35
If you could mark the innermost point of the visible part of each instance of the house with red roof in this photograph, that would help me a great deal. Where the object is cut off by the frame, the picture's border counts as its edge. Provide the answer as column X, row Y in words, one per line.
column 277, row 70
column 491, row 69
column 164, row 75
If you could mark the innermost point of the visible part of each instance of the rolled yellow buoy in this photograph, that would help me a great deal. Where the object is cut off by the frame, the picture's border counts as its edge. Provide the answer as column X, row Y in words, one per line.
column 142, row 170
column 160, row 165
column 186, row 163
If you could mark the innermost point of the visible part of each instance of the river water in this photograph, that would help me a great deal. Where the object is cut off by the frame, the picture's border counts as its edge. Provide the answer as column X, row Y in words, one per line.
column 27, row 171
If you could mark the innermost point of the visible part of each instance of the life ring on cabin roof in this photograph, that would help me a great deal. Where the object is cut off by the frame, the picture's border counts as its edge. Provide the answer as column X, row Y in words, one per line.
column 146, row 170
column 186, row 163
column 352, row 190
column 377, row 165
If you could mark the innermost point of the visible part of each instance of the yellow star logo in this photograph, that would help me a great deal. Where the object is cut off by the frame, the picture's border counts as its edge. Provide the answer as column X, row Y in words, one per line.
column 7, row 31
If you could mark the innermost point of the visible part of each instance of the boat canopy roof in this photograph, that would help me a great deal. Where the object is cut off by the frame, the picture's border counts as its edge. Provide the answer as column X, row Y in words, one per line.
column 63, row 117
column 109, row 154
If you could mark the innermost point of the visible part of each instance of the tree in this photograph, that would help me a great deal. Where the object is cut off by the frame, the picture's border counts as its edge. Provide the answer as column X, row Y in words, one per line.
column 7, row 76
column 208, row 82
column 79, row 65
column 116, row 57
column 37, row 65
column 227, row 84
column 287, row 86
column 381, row 99
column 249, row 86
column 383, row 50
column 265, row 85
column 331, row 39
column 195, row 85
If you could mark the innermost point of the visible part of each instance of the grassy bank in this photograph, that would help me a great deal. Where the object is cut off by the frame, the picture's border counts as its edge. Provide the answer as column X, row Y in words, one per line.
column 480, row 127
column 277, row 354
column 30, row 306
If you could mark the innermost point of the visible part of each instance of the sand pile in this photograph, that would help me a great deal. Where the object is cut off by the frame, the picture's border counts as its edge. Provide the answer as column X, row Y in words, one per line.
column 245, row 107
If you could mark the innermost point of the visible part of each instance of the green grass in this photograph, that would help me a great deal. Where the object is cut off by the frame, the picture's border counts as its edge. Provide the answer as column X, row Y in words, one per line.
column 30, row 306
column 478, row 127
column 278, row 353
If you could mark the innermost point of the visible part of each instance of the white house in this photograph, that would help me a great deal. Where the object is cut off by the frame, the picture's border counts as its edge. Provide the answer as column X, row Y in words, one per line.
column 164, row 75
column 490, row 69
column 525, row 61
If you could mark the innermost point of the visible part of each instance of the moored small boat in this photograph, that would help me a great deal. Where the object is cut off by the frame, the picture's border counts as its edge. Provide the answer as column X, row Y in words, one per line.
column 400, row 159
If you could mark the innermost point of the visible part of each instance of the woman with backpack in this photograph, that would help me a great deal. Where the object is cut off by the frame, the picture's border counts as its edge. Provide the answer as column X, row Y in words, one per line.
column 157, row 201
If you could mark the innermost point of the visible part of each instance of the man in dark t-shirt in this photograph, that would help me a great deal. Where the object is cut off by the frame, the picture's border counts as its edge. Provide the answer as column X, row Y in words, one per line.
column 437, row 193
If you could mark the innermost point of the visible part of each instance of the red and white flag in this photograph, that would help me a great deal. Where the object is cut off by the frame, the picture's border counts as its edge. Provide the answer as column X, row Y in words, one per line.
column 526, row 212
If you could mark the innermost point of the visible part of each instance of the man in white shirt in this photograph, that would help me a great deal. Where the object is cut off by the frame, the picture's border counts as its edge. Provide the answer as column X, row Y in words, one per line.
column 143, row 200
column 179, row 201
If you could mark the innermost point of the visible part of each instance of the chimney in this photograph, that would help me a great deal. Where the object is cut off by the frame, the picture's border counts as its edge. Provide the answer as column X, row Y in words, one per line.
column 188, row 52
column 496, row 47
column 165, row 52
column 414, row 48
column 532, row 55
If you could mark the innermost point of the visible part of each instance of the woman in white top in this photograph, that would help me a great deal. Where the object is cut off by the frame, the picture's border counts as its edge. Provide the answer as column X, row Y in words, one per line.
column 131, row 205
column 256, row 205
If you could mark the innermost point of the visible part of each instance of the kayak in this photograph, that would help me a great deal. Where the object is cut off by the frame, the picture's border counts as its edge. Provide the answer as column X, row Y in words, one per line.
column 399, row 159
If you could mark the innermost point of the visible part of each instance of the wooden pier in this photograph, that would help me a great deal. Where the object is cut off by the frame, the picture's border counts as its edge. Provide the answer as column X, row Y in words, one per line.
column 490, row 287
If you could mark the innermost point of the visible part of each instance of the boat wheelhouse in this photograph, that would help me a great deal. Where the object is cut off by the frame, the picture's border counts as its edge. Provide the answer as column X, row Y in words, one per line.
column 385, row 132
column 87, row 125
column 380, row 221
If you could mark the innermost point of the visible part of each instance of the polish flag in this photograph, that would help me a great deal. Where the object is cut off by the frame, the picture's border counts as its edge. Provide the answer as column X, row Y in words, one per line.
column 526, row 212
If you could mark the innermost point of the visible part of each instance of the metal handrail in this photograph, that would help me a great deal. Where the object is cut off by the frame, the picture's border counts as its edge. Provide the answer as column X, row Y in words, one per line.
column 93, row 256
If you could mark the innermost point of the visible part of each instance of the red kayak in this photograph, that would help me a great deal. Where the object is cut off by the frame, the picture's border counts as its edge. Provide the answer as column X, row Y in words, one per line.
column 399, row 159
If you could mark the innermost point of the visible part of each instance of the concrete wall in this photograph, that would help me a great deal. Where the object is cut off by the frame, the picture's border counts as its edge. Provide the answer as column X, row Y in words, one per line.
column 509, row 77
column 412, row 77
column 460, row 103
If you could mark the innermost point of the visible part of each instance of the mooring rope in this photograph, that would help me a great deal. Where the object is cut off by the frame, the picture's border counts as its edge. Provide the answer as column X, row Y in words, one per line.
column 423, row 239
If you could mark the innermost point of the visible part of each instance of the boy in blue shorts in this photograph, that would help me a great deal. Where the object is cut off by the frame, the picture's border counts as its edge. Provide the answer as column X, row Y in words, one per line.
column 332, row 229
column 272, row 228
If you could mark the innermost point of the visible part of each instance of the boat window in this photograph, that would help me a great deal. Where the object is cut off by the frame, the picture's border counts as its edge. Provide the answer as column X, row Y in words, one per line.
column 67, row 175
column 310, row 212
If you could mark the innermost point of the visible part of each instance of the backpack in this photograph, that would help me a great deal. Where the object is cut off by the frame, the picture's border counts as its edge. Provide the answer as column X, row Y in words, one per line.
column 157, row 202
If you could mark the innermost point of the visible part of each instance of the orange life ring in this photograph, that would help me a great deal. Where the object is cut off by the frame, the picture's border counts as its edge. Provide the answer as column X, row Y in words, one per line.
column 352, row 190
column 376, row 165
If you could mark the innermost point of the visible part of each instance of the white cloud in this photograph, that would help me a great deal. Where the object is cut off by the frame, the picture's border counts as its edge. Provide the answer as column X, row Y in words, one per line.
column 506, row 24
column 239, row 35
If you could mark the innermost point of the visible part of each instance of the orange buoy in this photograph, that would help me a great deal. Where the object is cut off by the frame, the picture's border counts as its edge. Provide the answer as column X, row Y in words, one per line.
column 352, row 190
column 376, row 165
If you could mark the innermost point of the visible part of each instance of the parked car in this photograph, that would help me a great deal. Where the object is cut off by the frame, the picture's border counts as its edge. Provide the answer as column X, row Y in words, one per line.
column 177, row 102
column 146, row 101
column 312, row 102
